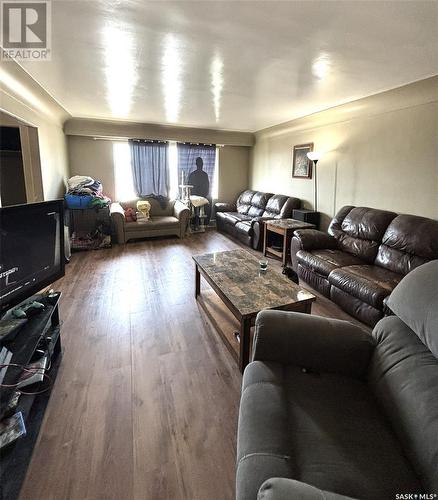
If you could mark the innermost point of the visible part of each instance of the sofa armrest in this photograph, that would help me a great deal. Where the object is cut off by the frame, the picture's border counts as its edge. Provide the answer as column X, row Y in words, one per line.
column 118, row 219
column 280, row 488
column 312, row 239
column 309, row 239
column 181, row 210
column 312, row 342
column 258, row 228
column 182, row 213
column 225, row 207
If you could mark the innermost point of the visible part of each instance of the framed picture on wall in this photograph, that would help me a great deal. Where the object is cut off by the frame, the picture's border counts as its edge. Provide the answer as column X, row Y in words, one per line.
column 302, row 166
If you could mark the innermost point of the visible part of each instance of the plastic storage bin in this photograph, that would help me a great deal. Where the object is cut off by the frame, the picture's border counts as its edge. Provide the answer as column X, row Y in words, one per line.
column 74, row 201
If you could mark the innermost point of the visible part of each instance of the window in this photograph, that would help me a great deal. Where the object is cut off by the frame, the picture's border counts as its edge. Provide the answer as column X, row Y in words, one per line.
column 187, row 157
column 124, row 183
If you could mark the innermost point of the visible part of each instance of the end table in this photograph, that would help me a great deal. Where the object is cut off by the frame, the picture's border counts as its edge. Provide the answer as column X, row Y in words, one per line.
column 285, row 228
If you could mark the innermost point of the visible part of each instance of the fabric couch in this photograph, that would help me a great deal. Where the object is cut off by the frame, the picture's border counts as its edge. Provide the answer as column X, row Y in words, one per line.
column 171, row 219
column 330, row 411
column 362, row 258
column 244, row 219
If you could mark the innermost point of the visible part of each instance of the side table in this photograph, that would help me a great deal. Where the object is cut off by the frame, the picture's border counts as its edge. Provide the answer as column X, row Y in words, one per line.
column 285, row 228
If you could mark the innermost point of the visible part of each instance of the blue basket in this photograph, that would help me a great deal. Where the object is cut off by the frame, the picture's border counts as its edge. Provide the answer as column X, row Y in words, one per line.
column 76, row 201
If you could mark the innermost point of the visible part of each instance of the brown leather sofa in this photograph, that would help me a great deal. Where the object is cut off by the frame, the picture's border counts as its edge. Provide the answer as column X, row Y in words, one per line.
column 363, row 257
column 244, row 219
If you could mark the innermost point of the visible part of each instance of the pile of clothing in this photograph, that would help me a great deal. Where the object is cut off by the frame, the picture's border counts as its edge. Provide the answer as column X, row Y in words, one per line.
column 85, row 192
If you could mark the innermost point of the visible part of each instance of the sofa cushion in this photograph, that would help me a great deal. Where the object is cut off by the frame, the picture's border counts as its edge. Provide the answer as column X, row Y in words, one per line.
column 260, row 199
column 404, row 377
column 415, row 301
column 298, row 425
column 258, row 203
column 323, row 262
column 244, row 201
column 408, row 242
column 369, row 283
column 262, row 442
column 275, row 205
column 232, row 217
column 245, row 227
column 152, row 224
column 255, row 211
column 340, row 439
column 359, row 230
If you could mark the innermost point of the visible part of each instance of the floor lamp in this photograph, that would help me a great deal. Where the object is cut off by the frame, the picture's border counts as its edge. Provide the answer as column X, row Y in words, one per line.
column 315, row 156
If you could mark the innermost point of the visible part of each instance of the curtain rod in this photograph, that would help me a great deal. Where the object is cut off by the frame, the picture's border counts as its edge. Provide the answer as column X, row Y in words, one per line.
column 126, row 139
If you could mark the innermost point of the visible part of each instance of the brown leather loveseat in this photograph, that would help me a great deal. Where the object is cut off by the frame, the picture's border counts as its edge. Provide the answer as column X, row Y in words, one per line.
column 363, row 257
column 244, row 219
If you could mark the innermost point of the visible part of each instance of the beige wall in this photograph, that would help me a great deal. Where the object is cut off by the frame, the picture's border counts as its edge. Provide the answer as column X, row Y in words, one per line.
column 88, row 156
column 94, row 158
column 233, row 172
column 22, row 98
column 381, row 152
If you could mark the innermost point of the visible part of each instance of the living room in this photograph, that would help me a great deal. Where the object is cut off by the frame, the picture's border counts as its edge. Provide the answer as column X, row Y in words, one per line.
column 243, row 200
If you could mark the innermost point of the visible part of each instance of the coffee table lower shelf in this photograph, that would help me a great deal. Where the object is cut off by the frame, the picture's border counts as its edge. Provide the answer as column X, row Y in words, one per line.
column 221, row 321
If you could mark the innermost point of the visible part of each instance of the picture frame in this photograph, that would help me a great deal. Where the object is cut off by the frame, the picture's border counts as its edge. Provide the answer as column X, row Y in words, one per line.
column 302, row 166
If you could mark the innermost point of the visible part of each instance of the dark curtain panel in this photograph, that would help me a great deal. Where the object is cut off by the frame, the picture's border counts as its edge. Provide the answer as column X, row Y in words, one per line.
column 150, row 167
column 187, row 154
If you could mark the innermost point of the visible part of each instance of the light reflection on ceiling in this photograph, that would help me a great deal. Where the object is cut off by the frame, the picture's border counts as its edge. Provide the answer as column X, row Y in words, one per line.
column 120, row 69
column 217, row 84
column 171, row 63
column 321, row 66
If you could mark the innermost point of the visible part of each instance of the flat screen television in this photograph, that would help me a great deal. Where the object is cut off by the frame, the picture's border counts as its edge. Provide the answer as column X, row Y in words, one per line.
column 31, row 249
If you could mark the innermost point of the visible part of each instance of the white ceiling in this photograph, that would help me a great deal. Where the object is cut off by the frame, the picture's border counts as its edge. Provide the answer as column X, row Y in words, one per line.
column 239, row 65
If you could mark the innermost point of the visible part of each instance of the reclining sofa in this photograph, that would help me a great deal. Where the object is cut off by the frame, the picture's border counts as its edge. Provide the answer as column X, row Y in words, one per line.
column 362, row 258
column 244, row 219
column 329, row 411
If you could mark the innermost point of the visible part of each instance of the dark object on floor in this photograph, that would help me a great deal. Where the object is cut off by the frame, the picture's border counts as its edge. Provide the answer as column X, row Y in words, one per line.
column 362, row 258
column 291, row 274
column 244, row 219
column 365, row 403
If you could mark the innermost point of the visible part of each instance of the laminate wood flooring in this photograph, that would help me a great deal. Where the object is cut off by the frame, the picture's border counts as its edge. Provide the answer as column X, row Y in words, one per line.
column 146, row 400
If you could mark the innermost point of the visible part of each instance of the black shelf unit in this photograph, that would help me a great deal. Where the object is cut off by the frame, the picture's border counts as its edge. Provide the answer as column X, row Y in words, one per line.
column 15, row 458
column 309, row 216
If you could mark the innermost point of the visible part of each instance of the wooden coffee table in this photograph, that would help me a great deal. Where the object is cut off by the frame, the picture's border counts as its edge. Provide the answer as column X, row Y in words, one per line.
column 236, row 278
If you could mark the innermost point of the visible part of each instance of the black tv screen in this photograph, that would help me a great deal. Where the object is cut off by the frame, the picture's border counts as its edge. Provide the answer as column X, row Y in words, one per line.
column 31, row 249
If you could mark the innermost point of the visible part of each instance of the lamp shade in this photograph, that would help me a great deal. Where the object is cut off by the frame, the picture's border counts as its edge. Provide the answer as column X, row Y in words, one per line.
column 314, row 155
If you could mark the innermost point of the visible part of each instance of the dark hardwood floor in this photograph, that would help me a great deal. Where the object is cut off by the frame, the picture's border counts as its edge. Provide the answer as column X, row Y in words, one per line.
column 146, row 400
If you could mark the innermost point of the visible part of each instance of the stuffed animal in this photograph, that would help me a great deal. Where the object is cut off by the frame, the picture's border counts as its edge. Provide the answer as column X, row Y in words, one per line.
column 144, row 207
column 130, row 215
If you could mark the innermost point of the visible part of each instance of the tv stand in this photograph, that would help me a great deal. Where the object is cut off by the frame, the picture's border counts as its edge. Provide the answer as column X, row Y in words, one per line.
column 40, row 331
